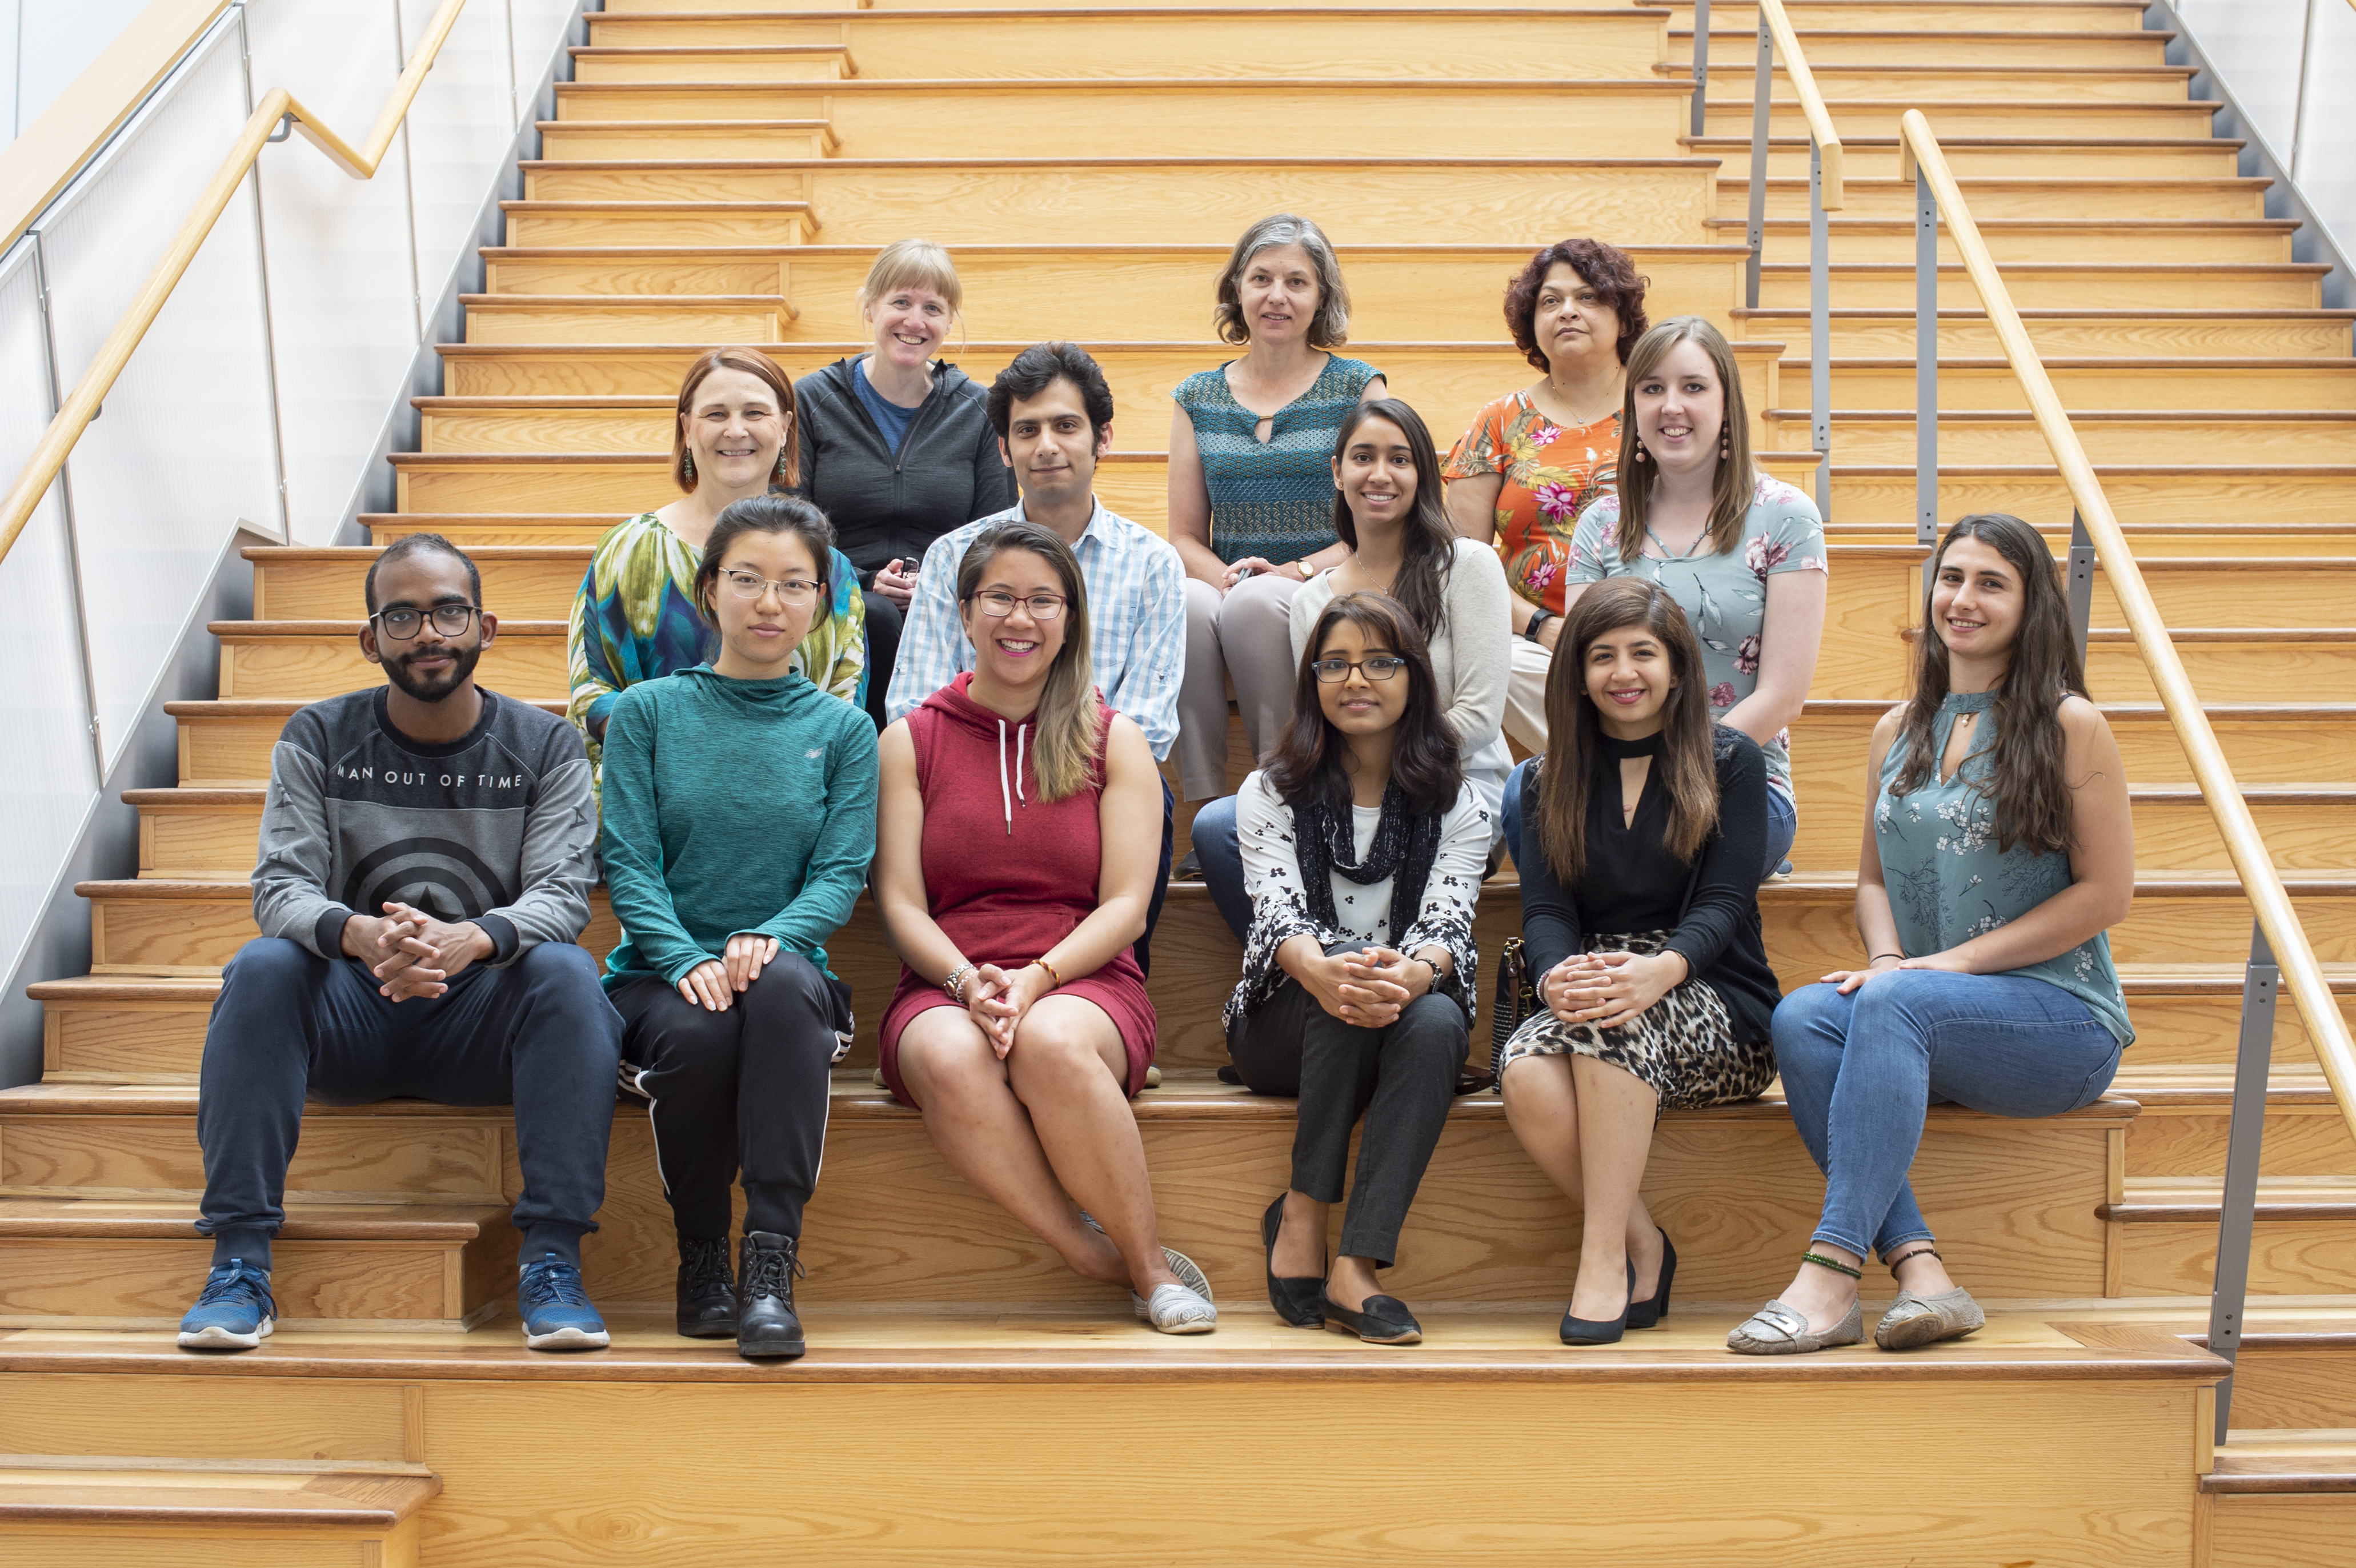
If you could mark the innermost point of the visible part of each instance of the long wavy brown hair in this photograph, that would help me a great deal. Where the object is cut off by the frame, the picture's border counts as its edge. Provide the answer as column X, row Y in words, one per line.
column 1069, row 718
column 1425, row 761
column 2025, row 780
column 1687, row 763
column 1426, row 544
column 1731, row 490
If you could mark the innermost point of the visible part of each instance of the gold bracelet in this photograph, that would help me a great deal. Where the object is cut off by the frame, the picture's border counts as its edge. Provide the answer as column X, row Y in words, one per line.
column 1057, row 979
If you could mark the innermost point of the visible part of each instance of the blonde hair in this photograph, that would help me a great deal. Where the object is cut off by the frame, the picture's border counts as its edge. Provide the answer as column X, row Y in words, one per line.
column 913, row 261
column 1070, row 718
column 1330, row 326
column 1731, row 492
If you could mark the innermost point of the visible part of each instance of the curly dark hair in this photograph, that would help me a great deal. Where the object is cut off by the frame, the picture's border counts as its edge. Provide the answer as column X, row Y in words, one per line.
column 1608, row 271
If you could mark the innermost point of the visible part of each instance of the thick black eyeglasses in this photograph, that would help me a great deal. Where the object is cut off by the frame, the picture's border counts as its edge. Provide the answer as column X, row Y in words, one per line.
column 400, row 623
column 1334, row 672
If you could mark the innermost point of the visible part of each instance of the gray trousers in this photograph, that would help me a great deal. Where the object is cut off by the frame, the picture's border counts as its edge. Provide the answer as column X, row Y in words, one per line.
column 1245, row 636
column 1401, row 1078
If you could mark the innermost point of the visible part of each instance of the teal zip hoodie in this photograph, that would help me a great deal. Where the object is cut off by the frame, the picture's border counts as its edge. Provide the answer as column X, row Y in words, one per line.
column 732, row 806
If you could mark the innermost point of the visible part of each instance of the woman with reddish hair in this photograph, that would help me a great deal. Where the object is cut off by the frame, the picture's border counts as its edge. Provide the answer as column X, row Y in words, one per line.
column 635, row 617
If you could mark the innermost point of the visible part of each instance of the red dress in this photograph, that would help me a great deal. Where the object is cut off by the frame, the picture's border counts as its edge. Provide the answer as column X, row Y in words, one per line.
column 1007, row 875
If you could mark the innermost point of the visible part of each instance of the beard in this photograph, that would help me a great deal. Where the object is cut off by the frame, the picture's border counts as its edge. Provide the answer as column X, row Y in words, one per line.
column 397, row 671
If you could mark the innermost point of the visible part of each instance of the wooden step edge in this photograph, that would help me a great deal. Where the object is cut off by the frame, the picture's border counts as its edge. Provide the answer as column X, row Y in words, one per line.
column 445, row 1225
column 2178, row 1199
column 285, row 707
column 355, row 554
column 2204, row 269
column 2112, row 228
column 1796, row 314
column 1955, row 144
column 2136, row 364
column 2335, row 470
column 1881, row 185
column 934, row 87
column 1212, row 162
column 2020, row 108
column 372, row 1498
column 253, row 631
column 1357, row 255
column 1749, row 349
column 2260, row 1462
column 618, row 301
column 2004, row 72
column 673, row 51
column 1854, row 417
column 731, row 207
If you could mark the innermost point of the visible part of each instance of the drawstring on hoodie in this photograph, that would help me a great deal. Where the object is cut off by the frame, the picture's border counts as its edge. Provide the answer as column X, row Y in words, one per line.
column 1006, row 798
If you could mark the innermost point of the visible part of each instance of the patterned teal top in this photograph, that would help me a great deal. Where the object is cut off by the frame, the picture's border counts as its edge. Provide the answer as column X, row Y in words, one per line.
column 1948, row 883
column 1271, row 498
column 634, row 619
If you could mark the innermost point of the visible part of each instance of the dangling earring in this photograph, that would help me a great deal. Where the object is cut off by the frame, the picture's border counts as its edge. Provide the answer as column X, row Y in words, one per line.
column 1640, row 450
column 1724, row 449
column 781, row 462
column 687, row 466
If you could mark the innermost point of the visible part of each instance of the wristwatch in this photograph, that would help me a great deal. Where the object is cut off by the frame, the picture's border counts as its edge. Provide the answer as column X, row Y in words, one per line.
column 1538, row 619
column 1307, row 571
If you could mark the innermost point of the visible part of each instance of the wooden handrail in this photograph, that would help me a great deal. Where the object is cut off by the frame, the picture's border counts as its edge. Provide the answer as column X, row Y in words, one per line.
column 276, row 106
column 2260, row 881
column 1812, row 103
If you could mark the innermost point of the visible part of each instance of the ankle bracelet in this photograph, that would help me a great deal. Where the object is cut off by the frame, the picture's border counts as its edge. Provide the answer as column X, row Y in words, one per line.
column 1823, row 1261
column 1891, row 1264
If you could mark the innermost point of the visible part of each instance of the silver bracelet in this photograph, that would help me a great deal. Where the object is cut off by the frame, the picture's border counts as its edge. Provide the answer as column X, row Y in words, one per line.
column 955, row 984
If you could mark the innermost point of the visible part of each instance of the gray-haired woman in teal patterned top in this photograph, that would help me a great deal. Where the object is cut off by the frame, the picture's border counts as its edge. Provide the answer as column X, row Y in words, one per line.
column 1251, row 484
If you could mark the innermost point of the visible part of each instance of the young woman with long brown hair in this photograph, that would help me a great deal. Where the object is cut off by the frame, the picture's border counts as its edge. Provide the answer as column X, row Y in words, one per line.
column 1018, row 841
column 1998, row 854
column 1639, row 911
column 1362, row 849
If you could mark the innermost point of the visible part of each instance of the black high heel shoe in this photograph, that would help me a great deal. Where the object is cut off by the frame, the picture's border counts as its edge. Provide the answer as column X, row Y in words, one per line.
column 1300, row 1302
column 1648, row 1313
column 1598, row 1330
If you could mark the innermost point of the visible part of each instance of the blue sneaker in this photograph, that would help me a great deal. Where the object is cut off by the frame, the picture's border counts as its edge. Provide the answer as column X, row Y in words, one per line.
column 234, row 1312
column 557, row 1315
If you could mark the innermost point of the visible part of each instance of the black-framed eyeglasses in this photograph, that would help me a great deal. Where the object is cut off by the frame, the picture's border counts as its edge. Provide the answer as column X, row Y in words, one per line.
column 1000, row 604
column 751, row 586
column 1334, row 672
column 400, row 623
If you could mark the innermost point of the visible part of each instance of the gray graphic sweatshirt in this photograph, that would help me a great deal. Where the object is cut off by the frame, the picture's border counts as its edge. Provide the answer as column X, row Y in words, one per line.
column 497, row 827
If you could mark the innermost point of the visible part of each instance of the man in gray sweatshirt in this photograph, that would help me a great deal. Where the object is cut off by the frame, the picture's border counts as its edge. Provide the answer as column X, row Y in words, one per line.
column 427, row 853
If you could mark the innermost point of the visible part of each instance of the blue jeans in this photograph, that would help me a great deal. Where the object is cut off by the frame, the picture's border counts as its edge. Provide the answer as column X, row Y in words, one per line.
column 1221, row 856
column 1860, row 1071
column 1783, row 821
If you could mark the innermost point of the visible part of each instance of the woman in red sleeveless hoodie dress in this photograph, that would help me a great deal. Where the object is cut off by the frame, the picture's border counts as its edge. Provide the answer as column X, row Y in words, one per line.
column 1016, row 848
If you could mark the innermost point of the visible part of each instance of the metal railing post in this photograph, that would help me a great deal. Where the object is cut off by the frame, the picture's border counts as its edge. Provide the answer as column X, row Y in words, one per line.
column 2082, row 581
column 2237, row 1214
column 1762, row 92
column 1926, row 367
column 1820, row 333
column 1701, row 63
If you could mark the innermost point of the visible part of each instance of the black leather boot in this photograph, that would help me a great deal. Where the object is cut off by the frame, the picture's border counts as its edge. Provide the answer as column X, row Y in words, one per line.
column 765, row 1323
column 707, row 1294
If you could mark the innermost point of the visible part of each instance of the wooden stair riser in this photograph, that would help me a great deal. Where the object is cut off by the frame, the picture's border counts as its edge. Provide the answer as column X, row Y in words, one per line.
column 1856, row 44
column 517, row 1469
column 527, row 660
column 1899, row 14
column 2160, row 493
column 2108, row 285
column 153, row 1280
column 2147, row 438
column 2203, row 1029
column 1447, row 383
column 1471, row 201
column 2284, row 1384
column 2125, row 385
column 1208, row 117
column 2123, row 158
column 668, row 67
column 2287, row 1257
column 1934, row 86
column 302, row 585
column 1020, row 292
column 749, row 322
column 266, row 1544
column 1592, row 44
column 2265, row 1531
column 2304, row 1139
column 2284, row 335
column 1990, row 114
column 2020, row 199
column 2014, row 1203
column 715, row 139
column 1873, row 242
column 2231, row 671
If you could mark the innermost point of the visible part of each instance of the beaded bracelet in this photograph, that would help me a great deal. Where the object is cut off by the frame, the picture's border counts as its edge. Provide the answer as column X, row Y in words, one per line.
column 1823, row 1261
column 955, row 984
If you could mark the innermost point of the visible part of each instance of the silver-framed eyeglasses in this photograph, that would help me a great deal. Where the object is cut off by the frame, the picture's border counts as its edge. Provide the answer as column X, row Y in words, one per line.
column 750, row 586
column 400, row 623
column 1382, row 666
column 998, row 603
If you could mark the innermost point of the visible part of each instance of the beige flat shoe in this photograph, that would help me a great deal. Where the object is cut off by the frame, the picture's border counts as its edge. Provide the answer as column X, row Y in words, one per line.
column 1776, row 1329
column 1914, row 1320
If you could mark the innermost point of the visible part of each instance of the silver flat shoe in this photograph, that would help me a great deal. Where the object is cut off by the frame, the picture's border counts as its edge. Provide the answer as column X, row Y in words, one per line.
column 1191, row 1279
column 1914, row 1319
column 1175, row 1310
column 1776, row 1329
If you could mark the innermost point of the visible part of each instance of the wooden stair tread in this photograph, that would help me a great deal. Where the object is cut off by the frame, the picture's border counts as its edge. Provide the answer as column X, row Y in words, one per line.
column 1133, row 84
column 924, row 1344
column 65, row 1490
column 2259, row 1461
column 2176, row 1200
column 76, row 1218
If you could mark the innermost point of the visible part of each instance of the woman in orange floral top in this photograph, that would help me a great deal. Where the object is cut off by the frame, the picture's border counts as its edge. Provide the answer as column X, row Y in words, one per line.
column 1534, row 458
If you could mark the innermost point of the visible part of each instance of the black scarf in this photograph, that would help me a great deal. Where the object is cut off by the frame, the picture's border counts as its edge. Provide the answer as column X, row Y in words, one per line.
column 1404, row 850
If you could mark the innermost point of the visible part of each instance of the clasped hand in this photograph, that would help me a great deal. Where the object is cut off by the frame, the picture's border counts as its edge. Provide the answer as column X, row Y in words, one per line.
column 412, row 953
column 714, row 984
column 998, row 999
column 1368, row 988
column 1608, row 990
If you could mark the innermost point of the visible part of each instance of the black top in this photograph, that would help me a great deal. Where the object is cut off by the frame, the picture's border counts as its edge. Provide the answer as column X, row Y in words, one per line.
column 886, row 504
column 1633, row 883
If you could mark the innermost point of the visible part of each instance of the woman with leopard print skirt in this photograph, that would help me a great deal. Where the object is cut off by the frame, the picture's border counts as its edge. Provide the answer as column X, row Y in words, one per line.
column 1639, row 911
column 1363, row 845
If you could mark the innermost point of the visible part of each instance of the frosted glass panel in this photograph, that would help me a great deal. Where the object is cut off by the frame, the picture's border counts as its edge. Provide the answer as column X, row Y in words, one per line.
column 46, row 796
column 183, row 450
column 342, row 284
column 459, row 130
column 542, row 29
column 2326, row 169
column 2255, row 48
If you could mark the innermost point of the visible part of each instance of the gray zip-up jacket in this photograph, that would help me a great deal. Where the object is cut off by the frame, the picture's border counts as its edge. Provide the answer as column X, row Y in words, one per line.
column 947, row 473
column 497, row 827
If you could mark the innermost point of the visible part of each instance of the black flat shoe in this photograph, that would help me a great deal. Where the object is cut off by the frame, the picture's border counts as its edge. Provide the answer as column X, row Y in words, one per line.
column 707, row 1289
column 1597, row 1330
column 1383, row 1320
column 1299, row 1302
column 1648, row 1313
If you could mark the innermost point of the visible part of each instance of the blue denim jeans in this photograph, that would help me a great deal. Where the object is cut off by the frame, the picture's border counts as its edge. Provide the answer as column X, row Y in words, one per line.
column 1860, row 1071
column 1783, row 821
column 1220, row 854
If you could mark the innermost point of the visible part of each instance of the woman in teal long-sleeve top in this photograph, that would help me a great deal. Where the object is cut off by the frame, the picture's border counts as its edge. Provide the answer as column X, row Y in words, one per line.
column 739, row 820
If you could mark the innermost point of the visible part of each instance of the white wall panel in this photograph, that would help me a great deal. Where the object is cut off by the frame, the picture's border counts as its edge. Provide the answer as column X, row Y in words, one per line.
column 342, row 279
column 2326, row 168
column 45, row 796
column 183, row 449
column 459, row 130
column 2255, row 47
column 541, row 28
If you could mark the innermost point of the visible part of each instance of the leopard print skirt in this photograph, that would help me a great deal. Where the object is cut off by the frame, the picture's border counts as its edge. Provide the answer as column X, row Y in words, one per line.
column 1682, row 1045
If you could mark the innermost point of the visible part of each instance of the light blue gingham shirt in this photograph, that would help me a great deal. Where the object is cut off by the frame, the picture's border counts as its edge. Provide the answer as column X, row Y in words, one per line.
column 1137, row 615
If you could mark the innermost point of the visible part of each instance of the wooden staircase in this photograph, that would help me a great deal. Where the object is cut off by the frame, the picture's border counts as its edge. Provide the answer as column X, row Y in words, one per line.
column 727, row 176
